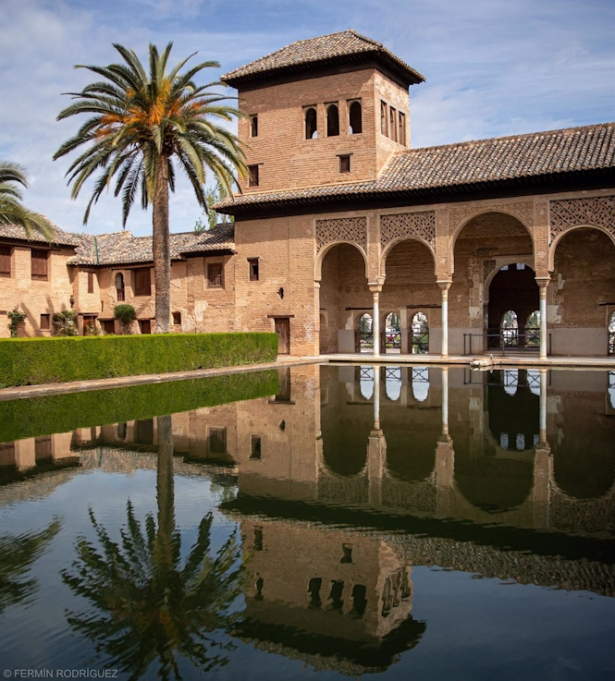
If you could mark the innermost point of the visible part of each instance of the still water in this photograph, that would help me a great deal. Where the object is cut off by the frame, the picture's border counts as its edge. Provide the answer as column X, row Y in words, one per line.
column 401, row 523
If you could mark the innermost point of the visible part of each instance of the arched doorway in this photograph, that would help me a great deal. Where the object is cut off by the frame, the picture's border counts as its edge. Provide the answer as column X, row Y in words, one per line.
column 513, row 299
column 364, row 340
column 584, row 264
column 410, row 286
column 492, row 254
column 344, row 297
column 392, row 333
column 612, row 334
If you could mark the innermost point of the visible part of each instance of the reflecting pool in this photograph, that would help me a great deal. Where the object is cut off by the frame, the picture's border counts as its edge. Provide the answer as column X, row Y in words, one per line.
column 401, row 522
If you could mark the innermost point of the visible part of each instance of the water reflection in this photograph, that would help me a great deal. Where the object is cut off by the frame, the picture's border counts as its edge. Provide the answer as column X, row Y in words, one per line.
column 342, row 487
column 152, row 606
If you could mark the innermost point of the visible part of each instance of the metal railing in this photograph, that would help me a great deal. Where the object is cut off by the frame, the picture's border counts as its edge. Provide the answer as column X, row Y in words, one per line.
column 506, row 340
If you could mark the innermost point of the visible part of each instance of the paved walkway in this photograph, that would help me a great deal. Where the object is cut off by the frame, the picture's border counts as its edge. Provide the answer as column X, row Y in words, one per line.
column 478, row 361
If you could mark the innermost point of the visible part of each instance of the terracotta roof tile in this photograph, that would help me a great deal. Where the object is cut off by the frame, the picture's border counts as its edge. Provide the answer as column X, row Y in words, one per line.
column 571, row 150
column 327, row 48
column 60, row 238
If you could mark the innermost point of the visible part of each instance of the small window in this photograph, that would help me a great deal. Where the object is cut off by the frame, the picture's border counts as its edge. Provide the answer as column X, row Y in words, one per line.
column 108, row 326
column 255, row 452
column 214, row 275
column 254, row 126
column 253, row 176
column 177, row 318
column 119, row 287
column 401, row 138
column 43, row 448
column 143, row 282
column 393, row 123
column 355, row 119
column 90, row 282
column 333, row 121
column 39, row 265
column 253, row 265
column 345, row 163
column 45, row 322
column 311, row 129
column 145, row 326
column 5, row 261
column 383, row 117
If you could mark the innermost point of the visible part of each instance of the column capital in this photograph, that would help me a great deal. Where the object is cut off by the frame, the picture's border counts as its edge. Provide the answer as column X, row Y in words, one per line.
column 543, row 282
column 375, row 288
column 444, row 284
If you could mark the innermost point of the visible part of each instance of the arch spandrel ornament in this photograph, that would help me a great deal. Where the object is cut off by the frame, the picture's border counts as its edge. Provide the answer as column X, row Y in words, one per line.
column 421, row 225
column 336, row 230
column 596, row 211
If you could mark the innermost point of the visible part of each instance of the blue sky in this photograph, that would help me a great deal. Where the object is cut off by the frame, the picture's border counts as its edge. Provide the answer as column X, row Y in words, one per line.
column 493, row 67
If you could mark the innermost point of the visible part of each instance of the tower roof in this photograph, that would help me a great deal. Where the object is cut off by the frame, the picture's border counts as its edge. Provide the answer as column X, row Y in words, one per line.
column 336, row 49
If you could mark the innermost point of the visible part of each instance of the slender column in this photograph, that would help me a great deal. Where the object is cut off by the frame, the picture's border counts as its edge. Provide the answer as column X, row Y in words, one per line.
column 376, row 321
column 543, row 284
column 444, row 287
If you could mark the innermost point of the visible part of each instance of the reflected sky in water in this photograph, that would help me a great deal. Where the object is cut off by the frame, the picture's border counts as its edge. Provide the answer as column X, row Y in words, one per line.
column 399, row 521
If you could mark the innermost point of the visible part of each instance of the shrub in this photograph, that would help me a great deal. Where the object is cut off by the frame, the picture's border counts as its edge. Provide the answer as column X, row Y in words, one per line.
column 126, row 314
column 65, row 323
column 16, row 318
column 26, row 361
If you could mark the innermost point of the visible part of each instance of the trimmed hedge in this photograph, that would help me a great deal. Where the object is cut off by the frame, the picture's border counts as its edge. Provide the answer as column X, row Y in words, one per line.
column 29, row 361
column 64, row 413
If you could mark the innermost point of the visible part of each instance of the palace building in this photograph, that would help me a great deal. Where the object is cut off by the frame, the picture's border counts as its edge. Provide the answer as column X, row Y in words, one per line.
column 346, row 238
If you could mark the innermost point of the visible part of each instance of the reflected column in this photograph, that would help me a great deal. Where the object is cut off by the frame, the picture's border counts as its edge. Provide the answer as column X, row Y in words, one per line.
column 376, row 318
column 445, row 458
column 543, row 285
column 376, row 449
column 542, row 462
column 444, row 287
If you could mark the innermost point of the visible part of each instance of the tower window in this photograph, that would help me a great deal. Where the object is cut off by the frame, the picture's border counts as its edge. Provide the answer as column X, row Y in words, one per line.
column 39, row 264
column 254, row 126
column 401, row 138
column 5, row 261
column 311, row 129
column 90, row 282
column 256, row 449
column 253, row 265
column 119, row 286
column 214, row 275
column 383, row 117
column 333, row 121
column 393, row 123
column 355, row 118
column 253, row 176
column 143, row 282
column 177, row 318
column 345, row 163
column 45, row 322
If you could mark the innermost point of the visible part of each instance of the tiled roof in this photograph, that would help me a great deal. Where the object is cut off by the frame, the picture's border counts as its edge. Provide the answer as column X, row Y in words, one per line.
column 122, row 248
column 470, row 165
column 60, row 238
column 346, row 46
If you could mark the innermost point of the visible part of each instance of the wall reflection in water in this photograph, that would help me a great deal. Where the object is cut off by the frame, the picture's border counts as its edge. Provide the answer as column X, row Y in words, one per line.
column 352, row 475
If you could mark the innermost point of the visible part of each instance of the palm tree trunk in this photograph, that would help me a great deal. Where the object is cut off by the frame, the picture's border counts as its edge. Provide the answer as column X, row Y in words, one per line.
column 161, row 248
column 165, row 493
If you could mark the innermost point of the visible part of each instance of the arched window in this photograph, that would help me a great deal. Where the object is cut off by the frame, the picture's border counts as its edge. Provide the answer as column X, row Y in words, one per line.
column 420, row 334
column 532, row 330
column 366, row 336
column 311, row 129
column 511, row 381
column 392, row 333
column 355, row 118
column 612, row 334
column 612, row 388
column 333, row 121
column 119, row 286
column 366, row 382
column 510, row 328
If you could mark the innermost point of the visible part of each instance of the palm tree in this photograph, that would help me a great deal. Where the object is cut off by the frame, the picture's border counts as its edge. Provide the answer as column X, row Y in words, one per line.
column 153, row 606
column 12, row 211
column 142, row 122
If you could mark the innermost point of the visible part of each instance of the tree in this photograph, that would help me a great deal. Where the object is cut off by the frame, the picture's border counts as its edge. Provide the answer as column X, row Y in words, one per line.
column 212, row 196
column 12, row 211
column 141, row 124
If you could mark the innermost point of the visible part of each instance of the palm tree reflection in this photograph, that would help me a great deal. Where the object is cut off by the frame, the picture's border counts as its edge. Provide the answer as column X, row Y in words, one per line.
column 154, row 607
column 17, row 555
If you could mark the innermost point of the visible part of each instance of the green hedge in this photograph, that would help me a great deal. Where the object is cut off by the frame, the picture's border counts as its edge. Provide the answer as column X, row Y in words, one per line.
column 64, row 413
column 28, row 361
